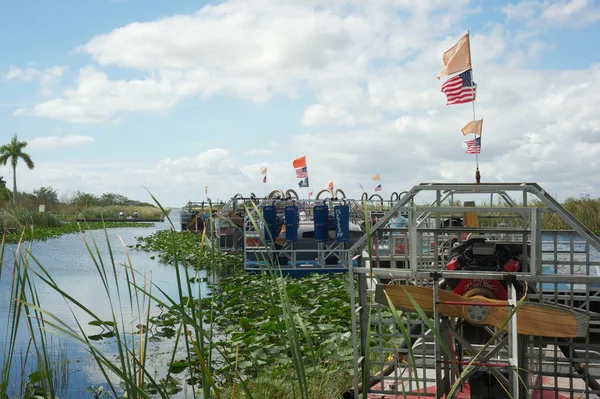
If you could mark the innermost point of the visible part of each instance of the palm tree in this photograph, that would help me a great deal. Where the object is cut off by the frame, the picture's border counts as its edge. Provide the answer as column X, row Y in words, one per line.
column 12, row 152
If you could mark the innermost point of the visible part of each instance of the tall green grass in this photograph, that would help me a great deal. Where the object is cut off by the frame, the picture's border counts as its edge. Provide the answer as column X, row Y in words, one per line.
column 49, row 362
column 22, row 218
column 112, row 212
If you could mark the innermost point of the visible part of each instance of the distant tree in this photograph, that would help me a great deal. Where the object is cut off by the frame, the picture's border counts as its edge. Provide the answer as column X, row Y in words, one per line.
column 46, row 195
column 113, row 199
column 85, row 199
column 12, row 152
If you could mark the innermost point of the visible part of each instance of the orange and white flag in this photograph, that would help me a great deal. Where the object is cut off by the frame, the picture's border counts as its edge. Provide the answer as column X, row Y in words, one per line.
column 473, row 128
column 263, row 170
column 375, row 177
column 457, row 58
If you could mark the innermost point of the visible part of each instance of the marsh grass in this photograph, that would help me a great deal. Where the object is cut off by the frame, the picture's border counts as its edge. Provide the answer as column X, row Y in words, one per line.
column 20, row 218
column 112, row 212
column 51, row 367
column 585, row 209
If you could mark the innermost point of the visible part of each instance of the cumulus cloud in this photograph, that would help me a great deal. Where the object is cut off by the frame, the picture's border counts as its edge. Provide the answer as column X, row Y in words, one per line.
column 259, row 151
column 171, row 180
column 376, row 106
column 251, row 50
column 539, row 12
column 58, row 142
column 96, row 98
column 47, row 77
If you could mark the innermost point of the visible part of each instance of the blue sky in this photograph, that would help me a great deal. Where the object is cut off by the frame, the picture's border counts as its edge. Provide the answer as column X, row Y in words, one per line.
column 115, row 96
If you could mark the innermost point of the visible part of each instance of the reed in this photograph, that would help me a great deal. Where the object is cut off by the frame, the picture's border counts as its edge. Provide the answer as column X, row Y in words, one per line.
column 50, row 365
column 21, row 218
column 112, row 212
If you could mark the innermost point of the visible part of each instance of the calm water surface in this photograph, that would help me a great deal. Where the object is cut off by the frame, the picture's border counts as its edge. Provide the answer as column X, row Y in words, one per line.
column 68, row 261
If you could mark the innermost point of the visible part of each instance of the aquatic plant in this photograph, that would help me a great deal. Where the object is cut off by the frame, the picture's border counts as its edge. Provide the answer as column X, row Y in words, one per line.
column 249, row 330
column 41, row 234
column 191, row 250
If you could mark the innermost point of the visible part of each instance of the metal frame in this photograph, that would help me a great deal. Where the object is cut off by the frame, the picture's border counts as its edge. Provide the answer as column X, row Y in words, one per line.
column 266, row 255
column 563, row 265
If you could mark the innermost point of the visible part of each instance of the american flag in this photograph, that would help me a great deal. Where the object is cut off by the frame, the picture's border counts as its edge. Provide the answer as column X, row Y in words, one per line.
column 460, row 89
column 301, row 173
column 378, row 188
column 474, row 146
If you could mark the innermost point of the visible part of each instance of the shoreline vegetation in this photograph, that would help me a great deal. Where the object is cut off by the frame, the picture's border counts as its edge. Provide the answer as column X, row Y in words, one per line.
column 70, row 214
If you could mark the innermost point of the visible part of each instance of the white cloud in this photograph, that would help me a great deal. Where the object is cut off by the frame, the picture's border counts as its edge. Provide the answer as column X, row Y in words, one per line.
column 58, row 142
column 261, row 151
column 97, row 98
column 542, row 12
column 47, row 78
column 377, row 106
column 252, row 50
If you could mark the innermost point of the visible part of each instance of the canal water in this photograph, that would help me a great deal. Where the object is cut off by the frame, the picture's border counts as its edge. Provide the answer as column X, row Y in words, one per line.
column 68, row 261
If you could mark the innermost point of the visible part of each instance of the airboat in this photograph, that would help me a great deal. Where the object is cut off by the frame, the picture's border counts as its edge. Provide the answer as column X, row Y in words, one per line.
column 490, row 304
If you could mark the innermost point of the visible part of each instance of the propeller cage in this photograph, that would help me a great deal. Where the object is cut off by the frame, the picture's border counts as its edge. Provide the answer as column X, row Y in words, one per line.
column 497, row 251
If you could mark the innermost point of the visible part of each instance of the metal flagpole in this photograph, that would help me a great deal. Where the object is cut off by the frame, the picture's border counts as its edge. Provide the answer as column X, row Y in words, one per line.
column 307, row 181
column 473, row 106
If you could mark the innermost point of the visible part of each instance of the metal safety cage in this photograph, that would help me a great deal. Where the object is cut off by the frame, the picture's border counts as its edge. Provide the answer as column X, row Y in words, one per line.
column 554, row 267
column 295, row 244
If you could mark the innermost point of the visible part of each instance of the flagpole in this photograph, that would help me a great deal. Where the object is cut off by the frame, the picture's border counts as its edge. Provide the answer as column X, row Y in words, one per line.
column 473, row 104
column 307, row 180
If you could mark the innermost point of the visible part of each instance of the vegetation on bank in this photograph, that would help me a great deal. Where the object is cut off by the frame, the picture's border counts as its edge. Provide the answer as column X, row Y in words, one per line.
column 60, row 216
column 584, row 208
column 42, row 234
column 12, row 153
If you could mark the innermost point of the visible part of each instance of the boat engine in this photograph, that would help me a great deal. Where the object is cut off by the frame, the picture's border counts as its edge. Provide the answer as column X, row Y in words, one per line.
column 478, row 255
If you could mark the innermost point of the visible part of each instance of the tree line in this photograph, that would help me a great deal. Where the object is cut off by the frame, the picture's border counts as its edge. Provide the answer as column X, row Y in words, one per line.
column 13, row 152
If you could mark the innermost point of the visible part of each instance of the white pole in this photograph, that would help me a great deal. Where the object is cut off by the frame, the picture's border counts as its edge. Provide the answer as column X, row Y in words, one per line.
column 473, row 102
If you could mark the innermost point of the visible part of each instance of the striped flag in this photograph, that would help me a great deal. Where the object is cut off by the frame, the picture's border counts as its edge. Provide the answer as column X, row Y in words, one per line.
column 301, row 173
column 474, row 146
column 378, row 188
column 460, row 89
column 265, row 179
